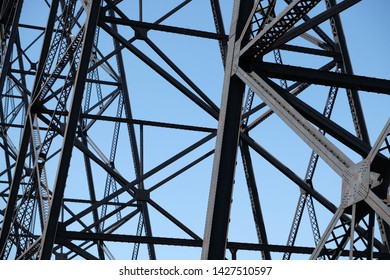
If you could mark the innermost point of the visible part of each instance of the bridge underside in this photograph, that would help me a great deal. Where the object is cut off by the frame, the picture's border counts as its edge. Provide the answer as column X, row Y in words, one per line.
column 144, row 130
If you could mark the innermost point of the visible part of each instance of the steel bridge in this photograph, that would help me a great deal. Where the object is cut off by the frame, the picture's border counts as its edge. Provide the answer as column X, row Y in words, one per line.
column 125, row 125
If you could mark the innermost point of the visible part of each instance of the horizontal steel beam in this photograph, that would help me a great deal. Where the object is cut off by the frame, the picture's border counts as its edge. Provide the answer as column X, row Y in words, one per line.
column 133, row 121
column 73, row 235
column 312, row 51
column 314, row 76
column 63, row 77
column 164, row 28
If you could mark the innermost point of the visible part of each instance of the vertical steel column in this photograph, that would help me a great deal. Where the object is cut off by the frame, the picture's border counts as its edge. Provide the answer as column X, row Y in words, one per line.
column 49, row 234
column 14, row 188
column 218, row 213
column 6, row 67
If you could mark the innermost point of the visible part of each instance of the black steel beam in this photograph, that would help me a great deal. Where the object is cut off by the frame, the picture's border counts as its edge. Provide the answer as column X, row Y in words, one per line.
column 182, row 75
column 280, row 25
column 129, row 121
column 314, row 76
column 289, row 173
column 14, row 188
column 48, row 236
column 230, row 131
column 311, row 23
column 13, row 20
column 224, row 170
column 92, row 194
column 182, row 170
column 254, row 197
column 159, row 70
column 312, row 51
column 73, row 235
column 221, row 189
column 130, row 185
column 76, row 235
column 112, row 4
column 126, row 186
column 353, row 95
column 298, row 181
column 174, row 220
column 164, row 28
column 10, row 44
column 78, row 144
column 73, row 247
column 132, row 137
column 6, row 13
column 63, row 77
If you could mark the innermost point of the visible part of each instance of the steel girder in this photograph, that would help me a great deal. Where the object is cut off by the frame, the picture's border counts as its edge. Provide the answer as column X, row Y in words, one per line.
column 81, row 72
column 99, row 150
column 363, row 192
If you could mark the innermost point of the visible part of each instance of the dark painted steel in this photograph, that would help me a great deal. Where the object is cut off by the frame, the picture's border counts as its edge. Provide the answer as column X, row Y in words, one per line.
column 353, row 95
column 219, row 27
column 70, row 134
column 164, row 28
column 254, row 197
column 14, row 187
column 330, row 127
column 234, row 132
column 160, row 70
column 298, row 181
column 314, row 76
column 217, row 220
column 313, row 22
column 72, row 235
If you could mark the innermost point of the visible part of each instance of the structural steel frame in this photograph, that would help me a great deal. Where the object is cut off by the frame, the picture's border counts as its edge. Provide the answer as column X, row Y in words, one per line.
column 70, row 190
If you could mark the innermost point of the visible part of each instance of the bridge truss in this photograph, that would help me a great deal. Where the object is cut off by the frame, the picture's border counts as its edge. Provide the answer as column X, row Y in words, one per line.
column 113, row 126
